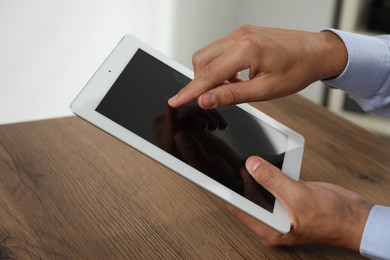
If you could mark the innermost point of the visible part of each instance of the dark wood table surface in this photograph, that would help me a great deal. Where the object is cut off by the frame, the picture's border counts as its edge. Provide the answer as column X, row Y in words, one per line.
column 70, row 191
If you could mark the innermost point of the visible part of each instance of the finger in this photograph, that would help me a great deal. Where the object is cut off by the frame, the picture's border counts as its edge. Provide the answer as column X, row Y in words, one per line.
column 256, row 193
column 227, row 94
column 272, row 179
column 209, row 53
column 224, row 67
column 259, row 89
column 236, row 78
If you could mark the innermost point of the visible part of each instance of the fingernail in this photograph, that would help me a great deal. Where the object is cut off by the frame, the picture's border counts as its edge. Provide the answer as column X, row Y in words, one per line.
column 252, row 163
column 209, row 100
column 172, row 100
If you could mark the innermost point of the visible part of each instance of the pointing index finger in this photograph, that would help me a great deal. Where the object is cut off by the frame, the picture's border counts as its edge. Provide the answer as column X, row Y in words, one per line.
column 221, row 69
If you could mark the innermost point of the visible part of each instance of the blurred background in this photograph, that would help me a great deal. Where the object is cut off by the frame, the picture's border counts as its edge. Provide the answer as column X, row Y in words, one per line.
column 49, row 49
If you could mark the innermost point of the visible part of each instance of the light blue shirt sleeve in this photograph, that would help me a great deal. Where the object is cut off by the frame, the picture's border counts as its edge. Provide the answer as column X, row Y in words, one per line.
column 366, row 78
column 376, row 236
column 367, row 74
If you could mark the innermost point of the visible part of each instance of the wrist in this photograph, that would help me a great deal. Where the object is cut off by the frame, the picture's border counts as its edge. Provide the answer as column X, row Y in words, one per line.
column 354, row 224
column 329, row 55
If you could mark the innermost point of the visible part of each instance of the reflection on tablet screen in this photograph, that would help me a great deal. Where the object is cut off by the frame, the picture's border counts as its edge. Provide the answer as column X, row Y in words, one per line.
column 216, row 142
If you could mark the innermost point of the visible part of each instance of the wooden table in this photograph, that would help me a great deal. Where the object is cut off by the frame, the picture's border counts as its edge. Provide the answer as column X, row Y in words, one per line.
column 69, row 190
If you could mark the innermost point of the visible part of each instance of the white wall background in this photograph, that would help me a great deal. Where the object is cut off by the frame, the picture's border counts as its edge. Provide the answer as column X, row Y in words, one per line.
column 50, row 48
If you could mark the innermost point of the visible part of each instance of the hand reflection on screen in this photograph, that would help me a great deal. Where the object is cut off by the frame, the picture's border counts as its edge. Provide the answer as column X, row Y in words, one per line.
column 187, row 133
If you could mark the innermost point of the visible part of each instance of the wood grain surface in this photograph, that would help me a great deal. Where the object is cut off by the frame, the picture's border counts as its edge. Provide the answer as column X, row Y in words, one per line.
column 70, row 191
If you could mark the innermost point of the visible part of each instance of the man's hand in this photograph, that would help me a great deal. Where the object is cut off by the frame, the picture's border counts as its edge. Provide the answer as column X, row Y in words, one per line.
column 280, row 63
column 321, row 213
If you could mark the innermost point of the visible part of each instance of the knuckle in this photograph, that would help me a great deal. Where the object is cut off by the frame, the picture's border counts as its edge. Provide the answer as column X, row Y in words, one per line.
column 230, row 96
column 197, row 58
column 205, row 71
column 249, row 47
column 245, row 30
column 266, row 175
column 248, row 42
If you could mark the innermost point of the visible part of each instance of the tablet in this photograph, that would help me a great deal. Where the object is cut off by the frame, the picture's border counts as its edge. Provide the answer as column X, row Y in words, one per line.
column 128, row 96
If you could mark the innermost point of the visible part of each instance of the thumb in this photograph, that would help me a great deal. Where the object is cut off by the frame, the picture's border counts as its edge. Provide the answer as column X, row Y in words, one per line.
column 270, row 177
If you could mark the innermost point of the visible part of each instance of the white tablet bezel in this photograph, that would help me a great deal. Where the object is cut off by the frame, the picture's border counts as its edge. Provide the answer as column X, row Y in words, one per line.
column 89, row 98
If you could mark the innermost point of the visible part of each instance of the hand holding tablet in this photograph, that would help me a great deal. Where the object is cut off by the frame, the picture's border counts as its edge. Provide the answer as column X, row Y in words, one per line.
column 128, row 98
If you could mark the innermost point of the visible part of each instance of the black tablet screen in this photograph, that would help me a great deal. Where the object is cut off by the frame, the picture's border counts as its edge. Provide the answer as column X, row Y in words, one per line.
column 216, row 142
